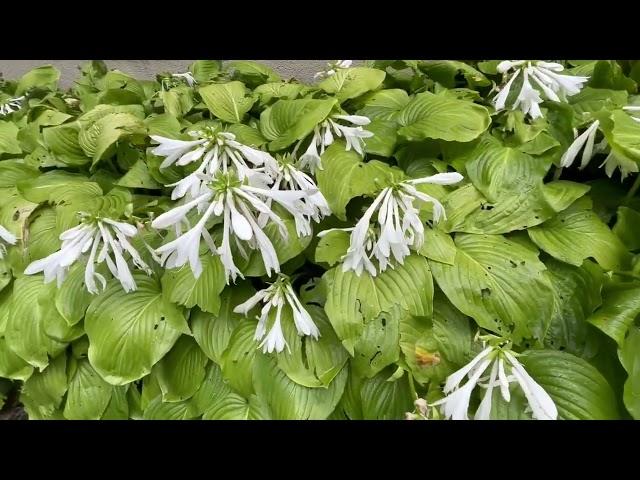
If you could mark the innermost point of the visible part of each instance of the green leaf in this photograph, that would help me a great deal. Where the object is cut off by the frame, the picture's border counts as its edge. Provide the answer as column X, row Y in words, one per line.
column 609, row 74
column 118, row 407
column 344, row 176
column 620, row 306
column 579, row 391
column 138, row 176
column 212, row 332
column 25, row 331
column 279, row 90
column 253, row 73
column 288, row 121
column 332, row 247
column 434, row 116
column 9, row 138
column 64, row 144
column 227, row 101
column 445, row 72
column 594, row 99
column 72, row 298
column 577, row 292
column 179, row 285
column 98, row 139
column 11, row 365
column 290, row 401
column 499, row 283
column 438, row 246
column 178, row 101
column 452, row 330
column 44, row 77
column 238, row 359
column 576, row 234
column 310, row 362
column 88, row 394
column 13, row 171
column 159, row 410
column 42, row 393
column 353, row 301
column 384, row 104
column 629, row 354
column 352, row 82
column 205, row 70
column 182, row 371
column 131, row 332
column 385, row 400
column 384, row 138
column 236, row 407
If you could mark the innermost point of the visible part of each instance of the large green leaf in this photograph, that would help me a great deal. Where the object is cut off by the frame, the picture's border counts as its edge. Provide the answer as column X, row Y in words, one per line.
column 44, row 77
column 576, row 234
column 72, row 298
column 138, row 176
column 353, row 301
column 344, row 176
column 182, row 371
column 291, row 401
column 11, row 365
column 384, row 104
column 238, row 359
column 577, row 291
column 64, row 144
column 227, row 101
column 629, row 354
column 445, row 118
column 98, row 139
column 131, row 332
column 385, row 400
column 179, row 285
column 212, row 332
column 499, row 283
column 352, row 82
column 9, row 138
column 620, row 307
column 287, row 121
column 42, row 393
column 88, row 394
column 578, row 389
column 235, row 407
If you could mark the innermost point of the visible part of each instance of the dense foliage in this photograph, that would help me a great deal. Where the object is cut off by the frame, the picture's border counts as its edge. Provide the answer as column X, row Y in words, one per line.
column 225, row 244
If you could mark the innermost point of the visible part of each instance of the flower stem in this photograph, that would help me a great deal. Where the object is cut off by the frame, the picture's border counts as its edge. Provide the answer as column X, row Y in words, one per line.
column 557, row 173
column 412, row 386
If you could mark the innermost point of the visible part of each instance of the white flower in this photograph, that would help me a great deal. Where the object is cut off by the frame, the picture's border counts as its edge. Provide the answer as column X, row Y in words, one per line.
column 239, row 205
column 397, row 228
column 588, row 137
column 545, row 77
column 6, row 237
column 332, row 68
column 633, row 108
column 455, row 405
column 279, row 294
column 326, row 132
column 12, row 105
column 216, row 151
column 102, row 238
column 187, row 76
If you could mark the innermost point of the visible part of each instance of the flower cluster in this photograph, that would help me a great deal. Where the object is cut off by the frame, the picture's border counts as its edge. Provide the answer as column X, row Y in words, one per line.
column 537, row 77
column 238, row 185
column 397, row 228
column 13, row 105
column 326, row 132
column 278, row 295
column 505, row 369
column 106, row 240
column 332, row 68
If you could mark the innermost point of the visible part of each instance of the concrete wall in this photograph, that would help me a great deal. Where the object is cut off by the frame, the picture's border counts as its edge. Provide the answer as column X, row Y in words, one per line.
column 303, row 70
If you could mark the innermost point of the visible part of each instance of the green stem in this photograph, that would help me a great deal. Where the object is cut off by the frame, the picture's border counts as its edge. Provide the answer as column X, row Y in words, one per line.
column 412, row 386
column 557, row 173
column 627, row 274
column 634, row 189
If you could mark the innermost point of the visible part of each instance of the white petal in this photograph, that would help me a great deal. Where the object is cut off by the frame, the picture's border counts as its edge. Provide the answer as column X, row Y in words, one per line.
column 455, row 378
column 540, row 402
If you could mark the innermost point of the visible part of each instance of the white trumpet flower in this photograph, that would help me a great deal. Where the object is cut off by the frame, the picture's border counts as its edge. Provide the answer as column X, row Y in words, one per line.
column 326, row 132
column 13, row 105
column 88, row 237
column 332, row 68
column 633, row 108
column 455, row 405
column 587, row 137
column 239, row 205
column 538, row 76
column 279, row 294
column 187, row 76
column 6, row 237
column 397, row 228
column 216, row 151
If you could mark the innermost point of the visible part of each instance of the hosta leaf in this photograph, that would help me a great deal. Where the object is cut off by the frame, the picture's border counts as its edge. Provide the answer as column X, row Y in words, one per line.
column 181, row 372
column 290, row 401
column 384, row 138
column 227, row 101
column 627, row 227
column 11, row 365
column 138, row 176
column 288, row 121
column 578, row 389
column 353, row 301
column 42, row 393
column 130, row 332
column 88, row 394
column 44, row 77
column 619, row 309
column 238, row 359
column 205, row 70
column 332, row 247
column 385, row 400
column 159, row 410
column 438, row 246
column 9, row 138
column 253, row 73
column 98, row 139
column 499, row 283
column 629, row 354
column 576, row 234
column 64, row 144
column 352, row 82
column 433, row 116
column 72, row 298
column 179, row 285
column 236, row 407
column 384, row 104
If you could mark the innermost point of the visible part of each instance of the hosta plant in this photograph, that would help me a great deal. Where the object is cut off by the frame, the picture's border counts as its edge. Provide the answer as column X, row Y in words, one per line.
column 398, row 239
